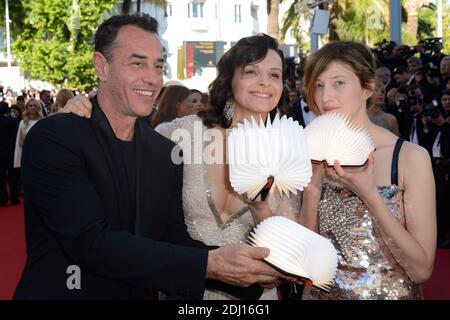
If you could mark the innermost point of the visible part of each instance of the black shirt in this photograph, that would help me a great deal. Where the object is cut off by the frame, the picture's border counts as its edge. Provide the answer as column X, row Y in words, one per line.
column 128, row 151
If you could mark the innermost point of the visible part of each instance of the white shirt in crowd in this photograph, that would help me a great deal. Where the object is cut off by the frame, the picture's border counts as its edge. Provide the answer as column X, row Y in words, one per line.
column 307, row 116
column 23, row 130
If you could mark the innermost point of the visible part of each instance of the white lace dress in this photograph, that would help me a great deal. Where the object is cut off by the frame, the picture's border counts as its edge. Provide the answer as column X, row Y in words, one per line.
column 200, row 214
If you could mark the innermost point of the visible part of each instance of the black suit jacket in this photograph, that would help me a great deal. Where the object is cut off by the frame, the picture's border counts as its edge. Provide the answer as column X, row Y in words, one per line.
column 405, row 120
column 44, row 108
column 445, row 140
column 75, row 215
column 295, row 112
column 8, row 133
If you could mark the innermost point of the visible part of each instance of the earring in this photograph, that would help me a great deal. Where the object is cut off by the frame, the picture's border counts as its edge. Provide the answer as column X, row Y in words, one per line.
column 228, row 109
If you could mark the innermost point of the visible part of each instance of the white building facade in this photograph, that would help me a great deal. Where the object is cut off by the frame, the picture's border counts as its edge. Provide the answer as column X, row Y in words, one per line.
column 195, row 33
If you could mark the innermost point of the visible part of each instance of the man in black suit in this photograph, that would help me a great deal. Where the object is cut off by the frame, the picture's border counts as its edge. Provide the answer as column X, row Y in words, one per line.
column 414, row 126
column 8, row 133
column 46, row 102
column 103, row 207
column 298, row 108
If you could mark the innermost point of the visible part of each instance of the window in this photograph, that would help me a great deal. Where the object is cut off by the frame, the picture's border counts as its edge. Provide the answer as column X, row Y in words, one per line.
column 195, row 10
column 168, row 10
column 237, row 13
column 254, row 13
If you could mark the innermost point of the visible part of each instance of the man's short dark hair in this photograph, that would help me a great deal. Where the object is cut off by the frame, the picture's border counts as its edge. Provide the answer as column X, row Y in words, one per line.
column 107, row 32
column 401, row 69
column 43, row 92
column 4, row 107
column 20, row 98
column 446, row 92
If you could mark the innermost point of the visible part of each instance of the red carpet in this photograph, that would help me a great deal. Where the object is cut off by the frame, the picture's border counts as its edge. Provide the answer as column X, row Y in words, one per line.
column 438, row 287
column 12, row 248
column 12, row 258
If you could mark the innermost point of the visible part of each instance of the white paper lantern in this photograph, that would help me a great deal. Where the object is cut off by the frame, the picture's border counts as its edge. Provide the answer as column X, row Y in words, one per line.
column 296, row 250
column 332, row 136
column 257, row 152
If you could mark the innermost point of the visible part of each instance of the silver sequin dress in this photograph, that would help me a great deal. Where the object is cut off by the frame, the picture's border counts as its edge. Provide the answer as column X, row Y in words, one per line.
column 200, row 213
column 366, row 268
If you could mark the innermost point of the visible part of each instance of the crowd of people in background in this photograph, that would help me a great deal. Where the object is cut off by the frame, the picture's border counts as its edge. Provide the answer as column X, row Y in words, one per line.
column 19, row 113
column 411, row 99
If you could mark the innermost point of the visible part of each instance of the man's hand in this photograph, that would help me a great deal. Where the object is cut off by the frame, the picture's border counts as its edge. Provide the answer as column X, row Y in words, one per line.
column 79, row 105
column 242, row 265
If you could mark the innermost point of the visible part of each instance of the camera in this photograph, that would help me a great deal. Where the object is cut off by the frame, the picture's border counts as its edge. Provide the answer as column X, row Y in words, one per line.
column 432, row 110
column 384, row 47
column 406, row 51
column 432, row 44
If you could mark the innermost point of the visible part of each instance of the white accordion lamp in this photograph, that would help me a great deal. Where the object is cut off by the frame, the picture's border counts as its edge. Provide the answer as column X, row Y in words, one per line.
column 268, row 157
column 332, row 136
column 297, row 251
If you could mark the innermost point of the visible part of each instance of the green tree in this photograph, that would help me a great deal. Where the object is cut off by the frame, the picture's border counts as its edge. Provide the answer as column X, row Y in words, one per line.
column 427, row 23
column 294, row 19
column 446, row 26
column 56, row 41
column 16, row 17
column 298, row 17
column 365, row 20
column 368, row 21
column 126, row 5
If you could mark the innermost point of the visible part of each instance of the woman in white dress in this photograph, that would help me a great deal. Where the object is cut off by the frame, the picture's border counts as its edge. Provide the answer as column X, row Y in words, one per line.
column 249, row 84
column 31, row 115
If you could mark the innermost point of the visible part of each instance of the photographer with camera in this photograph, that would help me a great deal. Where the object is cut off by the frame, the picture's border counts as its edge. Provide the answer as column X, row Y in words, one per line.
column 437, row 55
column 392, row 55
column 428, row 80
column 396, row 105
column 413, row 124
column 402, row 76
column 430, row 50
column 422, row 47
column 441, row 165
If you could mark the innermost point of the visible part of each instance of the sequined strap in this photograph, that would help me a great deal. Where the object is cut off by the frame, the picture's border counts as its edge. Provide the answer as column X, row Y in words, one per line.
column 394, row 165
